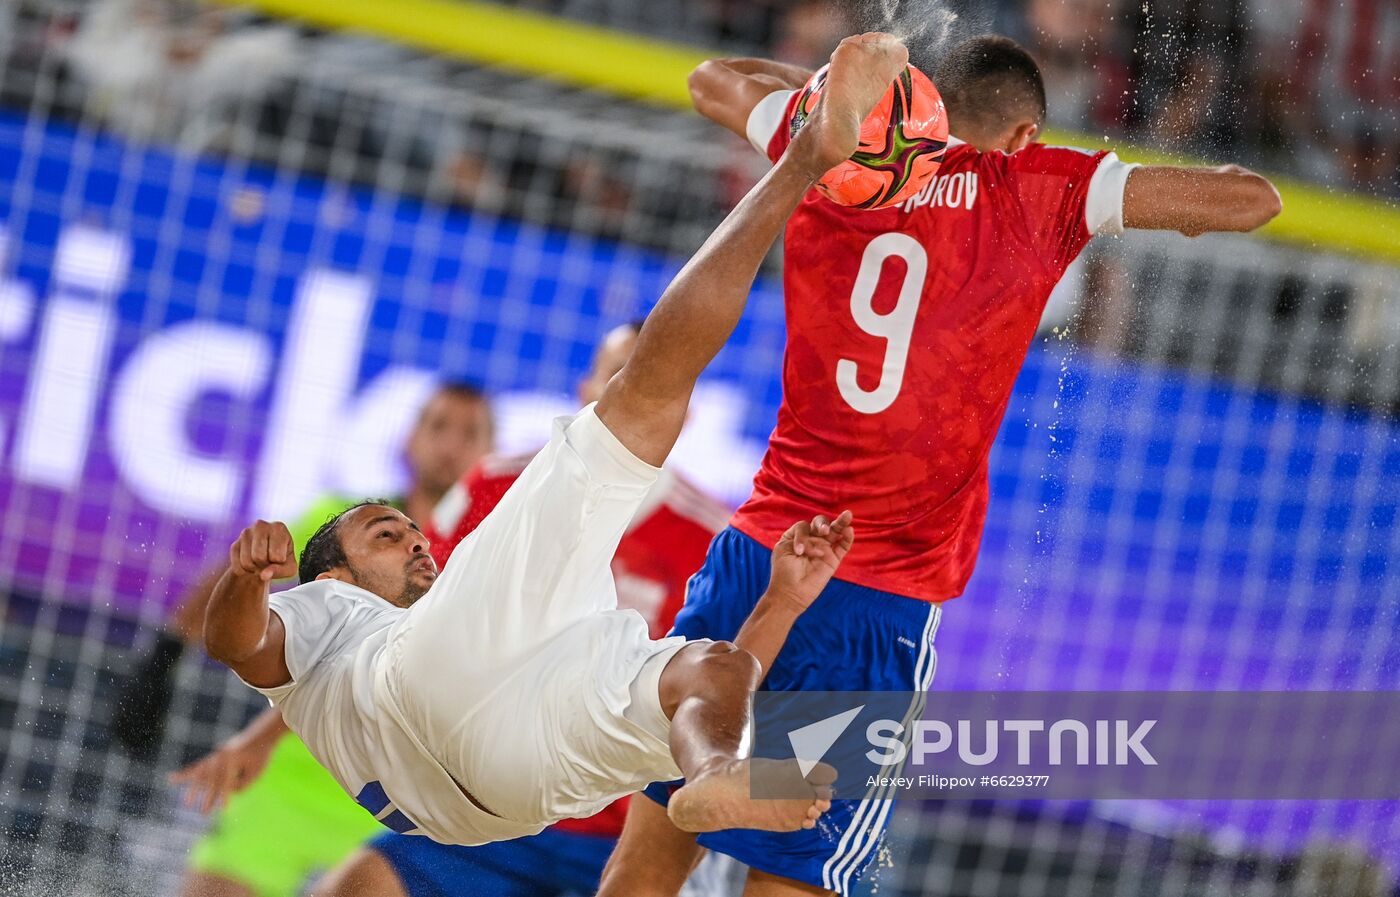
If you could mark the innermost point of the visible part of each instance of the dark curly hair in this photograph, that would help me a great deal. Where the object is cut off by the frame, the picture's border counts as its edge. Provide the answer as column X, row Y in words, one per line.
column 324, row 551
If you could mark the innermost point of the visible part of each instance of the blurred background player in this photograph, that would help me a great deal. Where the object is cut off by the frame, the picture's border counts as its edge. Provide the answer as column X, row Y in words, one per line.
column 895, row 417
column 665, row 544
column 295, row 821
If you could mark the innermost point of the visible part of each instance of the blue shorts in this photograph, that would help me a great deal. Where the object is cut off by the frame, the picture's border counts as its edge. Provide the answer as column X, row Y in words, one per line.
column 852, row 639
column 550, row 864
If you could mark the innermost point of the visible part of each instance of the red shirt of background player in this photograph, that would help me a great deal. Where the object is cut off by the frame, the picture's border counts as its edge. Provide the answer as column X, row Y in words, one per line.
column 906, row 329
column 663, row 547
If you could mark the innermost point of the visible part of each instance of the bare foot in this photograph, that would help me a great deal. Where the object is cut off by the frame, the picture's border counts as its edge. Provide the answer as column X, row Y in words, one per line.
column 722, row 797
column 862, row 69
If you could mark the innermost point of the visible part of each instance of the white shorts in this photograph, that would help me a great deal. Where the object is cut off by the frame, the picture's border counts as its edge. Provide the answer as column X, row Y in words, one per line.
column 517, row 671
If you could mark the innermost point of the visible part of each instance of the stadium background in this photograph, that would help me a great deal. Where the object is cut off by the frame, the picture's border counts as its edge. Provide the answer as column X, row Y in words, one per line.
column 236, row 246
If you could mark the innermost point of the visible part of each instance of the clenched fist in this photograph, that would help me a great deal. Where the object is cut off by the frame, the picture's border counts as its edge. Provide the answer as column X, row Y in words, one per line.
column 264, row 550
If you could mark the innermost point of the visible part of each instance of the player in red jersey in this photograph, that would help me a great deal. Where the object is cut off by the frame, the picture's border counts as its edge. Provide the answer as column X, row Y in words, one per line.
column 906, row 329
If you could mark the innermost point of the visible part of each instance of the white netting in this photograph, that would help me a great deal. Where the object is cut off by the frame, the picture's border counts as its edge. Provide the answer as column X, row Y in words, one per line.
column 202, row 276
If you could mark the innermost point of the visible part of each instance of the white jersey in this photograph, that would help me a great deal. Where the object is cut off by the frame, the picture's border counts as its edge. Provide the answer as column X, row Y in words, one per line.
column 515, row 678
column 338, row 705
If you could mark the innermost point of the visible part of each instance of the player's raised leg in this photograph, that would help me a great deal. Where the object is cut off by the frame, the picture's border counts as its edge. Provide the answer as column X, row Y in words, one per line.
column 645, row 404
column 705, row 688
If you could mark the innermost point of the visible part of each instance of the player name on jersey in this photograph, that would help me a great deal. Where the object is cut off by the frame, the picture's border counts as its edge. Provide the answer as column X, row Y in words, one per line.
column 948, row 191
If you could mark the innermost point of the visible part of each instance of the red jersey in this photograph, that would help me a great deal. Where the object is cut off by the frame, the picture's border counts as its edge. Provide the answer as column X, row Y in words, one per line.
column 906, row 329
column 664, row 545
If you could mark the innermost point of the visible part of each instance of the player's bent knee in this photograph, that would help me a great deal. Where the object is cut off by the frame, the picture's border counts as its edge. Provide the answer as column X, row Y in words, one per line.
column 728, row 659
column 702, row 668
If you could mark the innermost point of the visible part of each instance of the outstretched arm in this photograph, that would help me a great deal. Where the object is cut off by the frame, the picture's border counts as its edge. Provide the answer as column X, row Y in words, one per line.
column 187, row 622
column 726, row 90
column 1195, row 201
column 645, row 404
column 240, row 630
column 804, row 560
column 234, row 765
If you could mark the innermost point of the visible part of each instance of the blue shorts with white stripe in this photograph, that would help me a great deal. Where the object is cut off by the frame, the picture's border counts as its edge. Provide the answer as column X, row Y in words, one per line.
column 852, row 639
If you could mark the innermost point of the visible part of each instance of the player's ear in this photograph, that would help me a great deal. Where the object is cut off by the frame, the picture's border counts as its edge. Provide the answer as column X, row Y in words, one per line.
column 1022, row 136
column 338, row 573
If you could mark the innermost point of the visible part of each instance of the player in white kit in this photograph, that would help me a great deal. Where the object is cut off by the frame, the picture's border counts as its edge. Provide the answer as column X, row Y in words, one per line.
column 509, row 692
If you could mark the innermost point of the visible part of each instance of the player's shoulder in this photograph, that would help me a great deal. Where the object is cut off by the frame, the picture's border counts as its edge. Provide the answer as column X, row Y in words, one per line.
column 964, row 157
column 959, row 183
column 485, row 482
column 689, row 502
column 495, row 467
column 317, row 589
column 491, row 475
column 323, row 605
column 1042, row 158
column 327, row 592
column 1033, row 157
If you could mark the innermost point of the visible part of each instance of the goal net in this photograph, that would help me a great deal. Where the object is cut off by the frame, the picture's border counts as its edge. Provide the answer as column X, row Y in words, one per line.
column 229, row 275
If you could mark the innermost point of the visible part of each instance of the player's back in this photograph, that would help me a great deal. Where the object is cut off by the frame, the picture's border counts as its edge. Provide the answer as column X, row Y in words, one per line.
column 906, row 329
